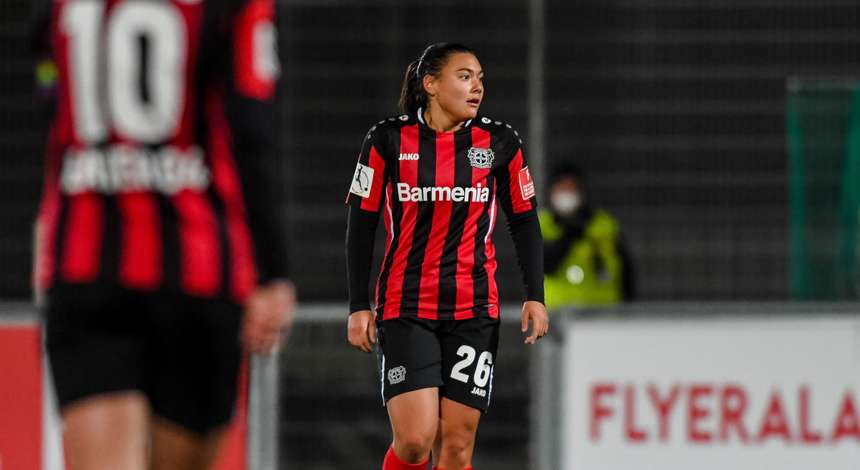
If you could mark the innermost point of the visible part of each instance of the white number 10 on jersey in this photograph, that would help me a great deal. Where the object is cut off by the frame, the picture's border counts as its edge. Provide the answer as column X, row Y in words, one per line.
column 121, row 37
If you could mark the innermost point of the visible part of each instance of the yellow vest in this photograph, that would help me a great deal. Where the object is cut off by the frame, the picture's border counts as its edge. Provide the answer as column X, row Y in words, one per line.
column 577, row 282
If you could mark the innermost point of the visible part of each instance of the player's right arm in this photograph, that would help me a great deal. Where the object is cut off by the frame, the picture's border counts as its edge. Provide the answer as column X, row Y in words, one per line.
column 365, row 201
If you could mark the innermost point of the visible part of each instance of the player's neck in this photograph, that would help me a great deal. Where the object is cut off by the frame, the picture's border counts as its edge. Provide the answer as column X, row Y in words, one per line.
column 440, row 121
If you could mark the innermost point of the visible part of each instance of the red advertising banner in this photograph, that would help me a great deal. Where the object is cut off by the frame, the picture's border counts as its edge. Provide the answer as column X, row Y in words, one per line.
column 745, row 393
column 20, row 398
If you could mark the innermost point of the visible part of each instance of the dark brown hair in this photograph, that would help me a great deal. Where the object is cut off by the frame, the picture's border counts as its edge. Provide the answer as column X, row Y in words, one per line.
column 431, row 62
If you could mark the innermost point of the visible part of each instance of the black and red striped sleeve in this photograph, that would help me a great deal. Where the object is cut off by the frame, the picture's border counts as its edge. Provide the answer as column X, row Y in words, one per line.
column 368, row 179
column 516, row 194
column 516, row 187
column 365, row 199
column 252, row 112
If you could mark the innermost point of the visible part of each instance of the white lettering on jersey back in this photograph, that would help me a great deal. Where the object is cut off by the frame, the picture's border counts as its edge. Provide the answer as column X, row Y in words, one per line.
column 123, row 168
column 408, row 156
column 406, row 193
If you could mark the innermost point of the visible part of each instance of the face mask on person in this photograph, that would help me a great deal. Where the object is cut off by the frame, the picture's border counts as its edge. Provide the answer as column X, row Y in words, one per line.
column 565, row 203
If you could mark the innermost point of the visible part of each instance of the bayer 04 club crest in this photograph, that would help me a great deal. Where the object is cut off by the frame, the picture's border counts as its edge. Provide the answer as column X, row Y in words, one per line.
column 481, row 158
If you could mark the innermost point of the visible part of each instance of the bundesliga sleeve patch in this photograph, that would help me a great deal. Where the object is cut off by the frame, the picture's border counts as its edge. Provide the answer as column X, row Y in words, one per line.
column 527, row 185
column 362, row 181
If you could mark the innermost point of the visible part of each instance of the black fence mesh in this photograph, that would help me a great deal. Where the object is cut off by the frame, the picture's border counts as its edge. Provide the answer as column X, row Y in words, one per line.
column 676, row 109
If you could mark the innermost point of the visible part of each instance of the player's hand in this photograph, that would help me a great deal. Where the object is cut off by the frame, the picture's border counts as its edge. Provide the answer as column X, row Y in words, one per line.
column 536, row 313
column 269, row 312
column 361, row 330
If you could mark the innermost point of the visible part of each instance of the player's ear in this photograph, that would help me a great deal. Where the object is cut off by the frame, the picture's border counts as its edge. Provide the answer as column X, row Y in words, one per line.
column 429, row 84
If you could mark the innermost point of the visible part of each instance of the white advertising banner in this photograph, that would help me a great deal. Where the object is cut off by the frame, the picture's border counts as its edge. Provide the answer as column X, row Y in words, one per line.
column 712, row 394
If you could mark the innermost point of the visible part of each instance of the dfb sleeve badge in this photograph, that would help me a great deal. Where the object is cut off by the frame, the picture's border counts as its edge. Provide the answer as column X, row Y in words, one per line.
column 362, row 181
column 527, row 185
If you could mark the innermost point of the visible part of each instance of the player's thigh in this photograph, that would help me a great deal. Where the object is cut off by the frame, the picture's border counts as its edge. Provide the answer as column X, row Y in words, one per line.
column 107, row 431
column 195, row 361
column 457, row 416
column 414, row 417
column 409, row 356
column 176, row 448
column 468, row 358
column 96, row 342
column 458, row 422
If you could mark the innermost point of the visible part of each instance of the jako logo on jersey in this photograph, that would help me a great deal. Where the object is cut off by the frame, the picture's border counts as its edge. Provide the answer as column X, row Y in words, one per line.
column 479, row 391
column 406, row 193
column 408, row 156
column 396, row 375
column 481, row 158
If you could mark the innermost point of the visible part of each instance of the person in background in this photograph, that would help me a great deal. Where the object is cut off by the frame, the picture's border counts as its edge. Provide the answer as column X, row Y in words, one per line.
column 586, row 263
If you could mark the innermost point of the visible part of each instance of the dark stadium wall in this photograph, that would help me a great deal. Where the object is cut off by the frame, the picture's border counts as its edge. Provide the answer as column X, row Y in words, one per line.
column 343, row 70
column 675, row 108
column 23, row 121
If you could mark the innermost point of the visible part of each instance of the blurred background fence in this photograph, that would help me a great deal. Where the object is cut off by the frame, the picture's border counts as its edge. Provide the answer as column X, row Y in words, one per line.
column 679, row 110
column 676, row 108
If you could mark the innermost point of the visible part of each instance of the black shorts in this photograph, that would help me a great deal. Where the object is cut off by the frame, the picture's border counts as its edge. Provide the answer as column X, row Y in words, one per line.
column 455, row 355
column 183, row 353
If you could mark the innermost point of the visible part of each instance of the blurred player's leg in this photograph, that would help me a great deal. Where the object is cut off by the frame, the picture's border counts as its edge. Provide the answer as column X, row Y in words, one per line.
column 107, row 431
column 414, row 419
column 175, row 448
column 458, row 424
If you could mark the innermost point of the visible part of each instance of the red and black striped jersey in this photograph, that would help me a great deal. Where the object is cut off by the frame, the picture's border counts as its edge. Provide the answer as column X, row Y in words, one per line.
column 438, row 194
column 156, row 157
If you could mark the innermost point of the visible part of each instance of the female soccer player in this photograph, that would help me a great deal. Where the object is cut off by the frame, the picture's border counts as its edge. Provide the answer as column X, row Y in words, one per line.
column 157, row 228
column 437, row 173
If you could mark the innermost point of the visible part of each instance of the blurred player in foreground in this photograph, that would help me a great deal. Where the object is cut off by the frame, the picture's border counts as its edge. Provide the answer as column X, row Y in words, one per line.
column 157, row 224
column 437, row 174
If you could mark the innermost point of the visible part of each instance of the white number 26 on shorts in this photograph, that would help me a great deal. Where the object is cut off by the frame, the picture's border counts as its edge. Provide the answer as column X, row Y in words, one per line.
column 482, row 370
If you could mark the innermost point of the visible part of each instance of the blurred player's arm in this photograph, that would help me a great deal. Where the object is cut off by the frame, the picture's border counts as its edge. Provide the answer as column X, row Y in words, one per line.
column 253, row 115
column 251, row 109
column 45, row 87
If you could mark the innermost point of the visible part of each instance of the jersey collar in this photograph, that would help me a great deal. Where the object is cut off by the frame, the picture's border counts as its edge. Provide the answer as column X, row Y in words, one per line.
column 421, row 118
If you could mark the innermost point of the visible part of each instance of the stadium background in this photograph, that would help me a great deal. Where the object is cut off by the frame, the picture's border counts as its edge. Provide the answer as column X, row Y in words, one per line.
column 675, row 108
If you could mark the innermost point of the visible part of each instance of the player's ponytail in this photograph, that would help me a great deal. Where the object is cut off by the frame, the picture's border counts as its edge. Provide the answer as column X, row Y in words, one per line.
column 412, row 94
column 432, row 60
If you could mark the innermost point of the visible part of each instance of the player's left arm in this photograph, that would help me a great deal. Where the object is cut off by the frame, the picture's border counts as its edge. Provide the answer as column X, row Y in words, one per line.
column 251, row 98
column 516, row 195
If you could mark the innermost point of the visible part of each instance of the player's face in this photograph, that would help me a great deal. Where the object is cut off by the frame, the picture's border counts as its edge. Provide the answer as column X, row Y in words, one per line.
column 459, row 88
